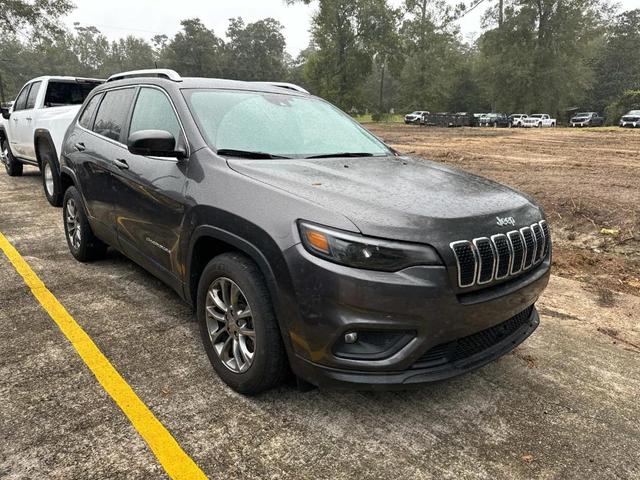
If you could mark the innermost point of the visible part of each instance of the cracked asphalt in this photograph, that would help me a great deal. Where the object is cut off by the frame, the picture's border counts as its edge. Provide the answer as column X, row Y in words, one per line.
column 564, row 405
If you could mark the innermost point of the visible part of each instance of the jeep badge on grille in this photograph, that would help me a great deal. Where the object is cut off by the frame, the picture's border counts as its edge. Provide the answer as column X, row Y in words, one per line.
column 503, row 221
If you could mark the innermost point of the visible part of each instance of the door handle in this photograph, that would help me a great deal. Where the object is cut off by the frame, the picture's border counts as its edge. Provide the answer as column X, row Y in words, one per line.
column 121, row 164
column 79, row 146
column 29, row 119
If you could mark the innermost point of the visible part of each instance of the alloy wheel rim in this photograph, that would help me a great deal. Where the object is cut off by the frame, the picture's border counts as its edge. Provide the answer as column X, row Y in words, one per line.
column 230, row 325
column 72, row 220
column 48, row 179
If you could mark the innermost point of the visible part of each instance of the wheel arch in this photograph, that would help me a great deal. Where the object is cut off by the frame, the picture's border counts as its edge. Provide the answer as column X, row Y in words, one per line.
column 42, row 136
column 208, row 242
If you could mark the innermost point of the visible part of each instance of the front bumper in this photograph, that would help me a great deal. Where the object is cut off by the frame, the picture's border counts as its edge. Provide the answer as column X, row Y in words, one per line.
column 418, row 304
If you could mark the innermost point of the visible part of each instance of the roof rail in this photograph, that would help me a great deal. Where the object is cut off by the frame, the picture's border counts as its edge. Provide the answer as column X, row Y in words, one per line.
column 153, row 72
column 289, row 86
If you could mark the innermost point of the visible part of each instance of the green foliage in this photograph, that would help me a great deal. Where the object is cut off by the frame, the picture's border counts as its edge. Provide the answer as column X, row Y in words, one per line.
column 39, row 17
column 630, row 100
column 366, row 56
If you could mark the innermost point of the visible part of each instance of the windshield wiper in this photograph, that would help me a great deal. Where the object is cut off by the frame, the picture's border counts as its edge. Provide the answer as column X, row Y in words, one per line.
column 343, row 155
column 230, row 152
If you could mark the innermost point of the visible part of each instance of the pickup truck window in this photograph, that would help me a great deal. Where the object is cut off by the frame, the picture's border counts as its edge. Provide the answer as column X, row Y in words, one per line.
column 112, row 113
column 153, row 111
column 33, row 93
column 87, row 115
column 21, row 101
column 67, row 93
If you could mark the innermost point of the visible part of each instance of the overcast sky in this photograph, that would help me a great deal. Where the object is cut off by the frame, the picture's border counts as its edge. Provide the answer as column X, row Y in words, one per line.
column 146, row 18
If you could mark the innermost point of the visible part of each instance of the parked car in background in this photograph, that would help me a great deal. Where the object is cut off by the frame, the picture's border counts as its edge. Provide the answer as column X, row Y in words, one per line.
column 539, row 120
column 631, row 119
column 495, row 120
column 36, row 124
column 415, row 117
column 393, row 271
column 517, row 119
column 586, row 119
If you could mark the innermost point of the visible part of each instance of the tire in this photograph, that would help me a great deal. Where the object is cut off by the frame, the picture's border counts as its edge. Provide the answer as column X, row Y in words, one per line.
column 82, row 243
column 222, row 332
column 13, row 167
column 51, row 177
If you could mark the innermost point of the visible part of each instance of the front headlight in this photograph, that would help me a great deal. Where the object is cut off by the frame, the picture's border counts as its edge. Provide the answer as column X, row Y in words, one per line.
column 368, row 253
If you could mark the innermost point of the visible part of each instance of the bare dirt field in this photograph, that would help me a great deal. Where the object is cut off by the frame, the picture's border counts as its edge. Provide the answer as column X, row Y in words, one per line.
column 587, row 180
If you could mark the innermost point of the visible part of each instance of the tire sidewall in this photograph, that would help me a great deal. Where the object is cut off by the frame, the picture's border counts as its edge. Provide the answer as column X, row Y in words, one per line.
column 55, row 199
column 233, row 267
column 87, row 250
column 12, row 167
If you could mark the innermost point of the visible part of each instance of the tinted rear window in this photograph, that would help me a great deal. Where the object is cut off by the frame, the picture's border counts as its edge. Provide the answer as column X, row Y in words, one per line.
column 87, row 115
column 67, row 93
column 112, row 113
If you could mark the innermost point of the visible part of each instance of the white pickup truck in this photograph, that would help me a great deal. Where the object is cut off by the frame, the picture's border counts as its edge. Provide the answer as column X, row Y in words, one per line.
column 539, row 120
column 33, row 128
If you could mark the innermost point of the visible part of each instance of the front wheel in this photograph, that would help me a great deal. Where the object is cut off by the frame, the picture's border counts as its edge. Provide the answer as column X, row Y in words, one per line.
column 83, row 244
column 13, row 167
column 238, row 325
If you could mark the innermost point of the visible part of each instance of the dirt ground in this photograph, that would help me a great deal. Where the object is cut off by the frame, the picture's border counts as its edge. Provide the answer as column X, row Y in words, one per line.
column 563, row 405
column 586, row 179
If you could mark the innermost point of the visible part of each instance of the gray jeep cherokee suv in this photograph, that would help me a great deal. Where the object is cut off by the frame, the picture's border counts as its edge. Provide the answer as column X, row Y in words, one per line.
column 304, row 242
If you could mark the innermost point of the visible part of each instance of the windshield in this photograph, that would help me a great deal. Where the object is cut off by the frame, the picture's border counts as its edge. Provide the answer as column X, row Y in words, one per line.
column 279, row 125
column 535, row 116
column 582, row 114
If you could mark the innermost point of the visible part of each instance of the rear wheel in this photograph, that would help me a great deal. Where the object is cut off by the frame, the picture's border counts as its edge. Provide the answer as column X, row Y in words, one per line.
column 83, row 244
column 238, row 325
column 13, row 167
column 51, row 177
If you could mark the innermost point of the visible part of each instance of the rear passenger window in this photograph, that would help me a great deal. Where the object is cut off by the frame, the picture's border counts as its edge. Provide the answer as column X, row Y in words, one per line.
column 112, row 113
column 153, row 111
column 33, row 93
column 89, row 110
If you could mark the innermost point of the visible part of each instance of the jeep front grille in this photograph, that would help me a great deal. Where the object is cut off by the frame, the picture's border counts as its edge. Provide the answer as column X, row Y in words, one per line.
column 483, row 260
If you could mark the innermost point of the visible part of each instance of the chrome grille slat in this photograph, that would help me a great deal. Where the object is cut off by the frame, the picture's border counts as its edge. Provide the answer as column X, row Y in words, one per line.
column 529, row 247
column 485, row 259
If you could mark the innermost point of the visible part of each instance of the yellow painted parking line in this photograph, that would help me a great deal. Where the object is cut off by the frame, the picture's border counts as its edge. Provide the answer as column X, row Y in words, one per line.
column 173, row 459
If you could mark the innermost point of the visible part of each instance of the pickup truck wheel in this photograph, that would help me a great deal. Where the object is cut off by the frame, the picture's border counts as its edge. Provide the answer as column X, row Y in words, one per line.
column 12, row 166
column 83, row 244
column 51, row 178
column 238, row 325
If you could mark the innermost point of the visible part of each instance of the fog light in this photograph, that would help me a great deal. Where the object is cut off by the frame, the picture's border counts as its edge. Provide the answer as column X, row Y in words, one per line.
column 371, row 345
column 351, row 337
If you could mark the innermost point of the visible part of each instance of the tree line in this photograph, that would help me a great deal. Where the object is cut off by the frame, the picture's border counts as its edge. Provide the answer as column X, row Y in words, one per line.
column 367, row 56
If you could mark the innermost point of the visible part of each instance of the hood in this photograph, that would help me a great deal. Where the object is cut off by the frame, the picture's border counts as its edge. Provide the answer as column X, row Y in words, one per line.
column 399, row 197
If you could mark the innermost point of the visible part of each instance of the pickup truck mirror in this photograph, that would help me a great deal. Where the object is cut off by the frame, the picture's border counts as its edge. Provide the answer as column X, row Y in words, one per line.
column 5, row 113
column 154, row 143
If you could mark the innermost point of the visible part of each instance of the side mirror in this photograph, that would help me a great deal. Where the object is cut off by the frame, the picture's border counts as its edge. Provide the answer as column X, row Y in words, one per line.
column 5, row 113
column 154, row 143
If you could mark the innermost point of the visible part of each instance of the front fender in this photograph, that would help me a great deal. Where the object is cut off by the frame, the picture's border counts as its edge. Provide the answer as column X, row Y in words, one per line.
column 264, row 252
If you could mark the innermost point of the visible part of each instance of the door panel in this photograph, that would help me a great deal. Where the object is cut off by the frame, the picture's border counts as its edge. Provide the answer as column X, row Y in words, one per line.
column 150, row 196
column 28, row 130
column 17, row 123
column 93, row 157
column 150, row 208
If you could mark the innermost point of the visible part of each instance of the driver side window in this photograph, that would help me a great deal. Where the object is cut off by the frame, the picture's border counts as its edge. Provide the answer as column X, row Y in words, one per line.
column 153, row 111
column 21, row 101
